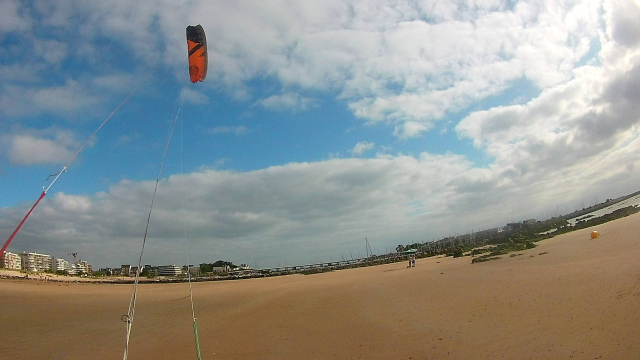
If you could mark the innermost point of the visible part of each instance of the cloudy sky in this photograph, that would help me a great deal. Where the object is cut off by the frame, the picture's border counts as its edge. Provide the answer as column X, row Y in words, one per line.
column 320, row 123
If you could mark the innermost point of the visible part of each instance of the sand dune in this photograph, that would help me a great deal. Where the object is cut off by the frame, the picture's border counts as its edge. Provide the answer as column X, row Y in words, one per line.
column 580, row 300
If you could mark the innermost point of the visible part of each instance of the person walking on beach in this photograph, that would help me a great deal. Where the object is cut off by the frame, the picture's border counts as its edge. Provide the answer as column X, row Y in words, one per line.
column 412, row 261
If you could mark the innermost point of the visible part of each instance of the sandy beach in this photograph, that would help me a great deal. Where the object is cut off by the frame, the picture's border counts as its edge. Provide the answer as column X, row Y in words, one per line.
column 569, row 298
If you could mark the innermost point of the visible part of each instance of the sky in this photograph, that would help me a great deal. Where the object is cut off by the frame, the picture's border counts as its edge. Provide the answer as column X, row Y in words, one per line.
column 321, row 124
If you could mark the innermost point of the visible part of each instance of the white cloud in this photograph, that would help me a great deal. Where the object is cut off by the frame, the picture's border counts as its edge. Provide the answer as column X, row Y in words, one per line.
column 361, row 147
column 194, row 97
column 586, row 117
column 70, row 98
column 50, row 146
column 21, row 72
column 115, row 82
column 625, row 21
column 52, row 51
column 237, row 130
column 385, row 60
column 411, row 129
column 569, row 128
column 293, row 102
column 13, row 18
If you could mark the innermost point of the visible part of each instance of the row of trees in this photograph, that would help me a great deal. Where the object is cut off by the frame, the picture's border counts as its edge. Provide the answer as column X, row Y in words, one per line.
column 207, row 268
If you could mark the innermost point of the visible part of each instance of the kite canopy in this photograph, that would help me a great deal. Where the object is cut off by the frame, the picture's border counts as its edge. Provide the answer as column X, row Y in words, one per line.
column 197, row 44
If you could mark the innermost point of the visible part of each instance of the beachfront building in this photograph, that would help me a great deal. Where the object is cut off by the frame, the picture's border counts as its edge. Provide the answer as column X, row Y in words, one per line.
column 192, row 269
column 83, row 267
column 78, row 268
column 58, row 264
column 169, row 270
column 221, row 269
column 152, row 270
column 107, row 271
column 35, row 262
column 9, row 260
column 125, row 270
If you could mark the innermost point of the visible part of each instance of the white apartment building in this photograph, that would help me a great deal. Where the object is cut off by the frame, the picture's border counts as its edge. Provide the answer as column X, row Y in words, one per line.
column 83, row 266
column 169, row 270
column 58, row 264
column 35, row 262
column 9, row 260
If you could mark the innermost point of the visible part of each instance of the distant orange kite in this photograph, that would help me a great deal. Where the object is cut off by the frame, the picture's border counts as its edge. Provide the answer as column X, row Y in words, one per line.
column 197, row 44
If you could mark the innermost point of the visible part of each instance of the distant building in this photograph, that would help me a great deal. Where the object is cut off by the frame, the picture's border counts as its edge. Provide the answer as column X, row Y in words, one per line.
column 83, row 266
column 169, row 270
column 9, row 260
column 107, row 271
column 194, row 270
column 125, row 270
column 58, row 264
column 35, row 262
column 152, row 270
column 221, row 269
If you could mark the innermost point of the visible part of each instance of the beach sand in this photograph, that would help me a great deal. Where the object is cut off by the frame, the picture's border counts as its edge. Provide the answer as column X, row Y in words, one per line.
column 579, row 300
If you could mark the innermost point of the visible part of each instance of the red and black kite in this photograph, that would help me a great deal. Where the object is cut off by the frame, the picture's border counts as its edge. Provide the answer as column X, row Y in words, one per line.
column 197, row 43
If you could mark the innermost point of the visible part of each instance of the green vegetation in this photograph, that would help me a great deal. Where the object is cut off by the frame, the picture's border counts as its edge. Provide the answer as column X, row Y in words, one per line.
column 479, row 251
column 483, row 259
column 525, row 235
column 620, row 213
column 207, row 268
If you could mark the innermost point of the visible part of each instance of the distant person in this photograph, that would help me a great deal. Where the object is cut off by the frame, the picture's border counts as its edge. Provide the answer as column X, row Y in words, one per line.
column 412, row 261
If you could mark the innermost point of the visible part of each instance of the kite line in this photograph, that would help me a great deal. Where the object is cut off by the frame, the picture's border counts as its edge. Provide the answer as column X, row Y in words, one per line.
column 186, row 247
column 64, row 169
column 198, row 60
column 128, row 319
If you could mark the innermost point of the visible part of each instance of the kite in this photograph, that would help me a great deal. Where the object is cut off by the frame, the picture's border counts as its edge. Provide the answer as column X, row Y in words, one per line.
column 197, row 44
